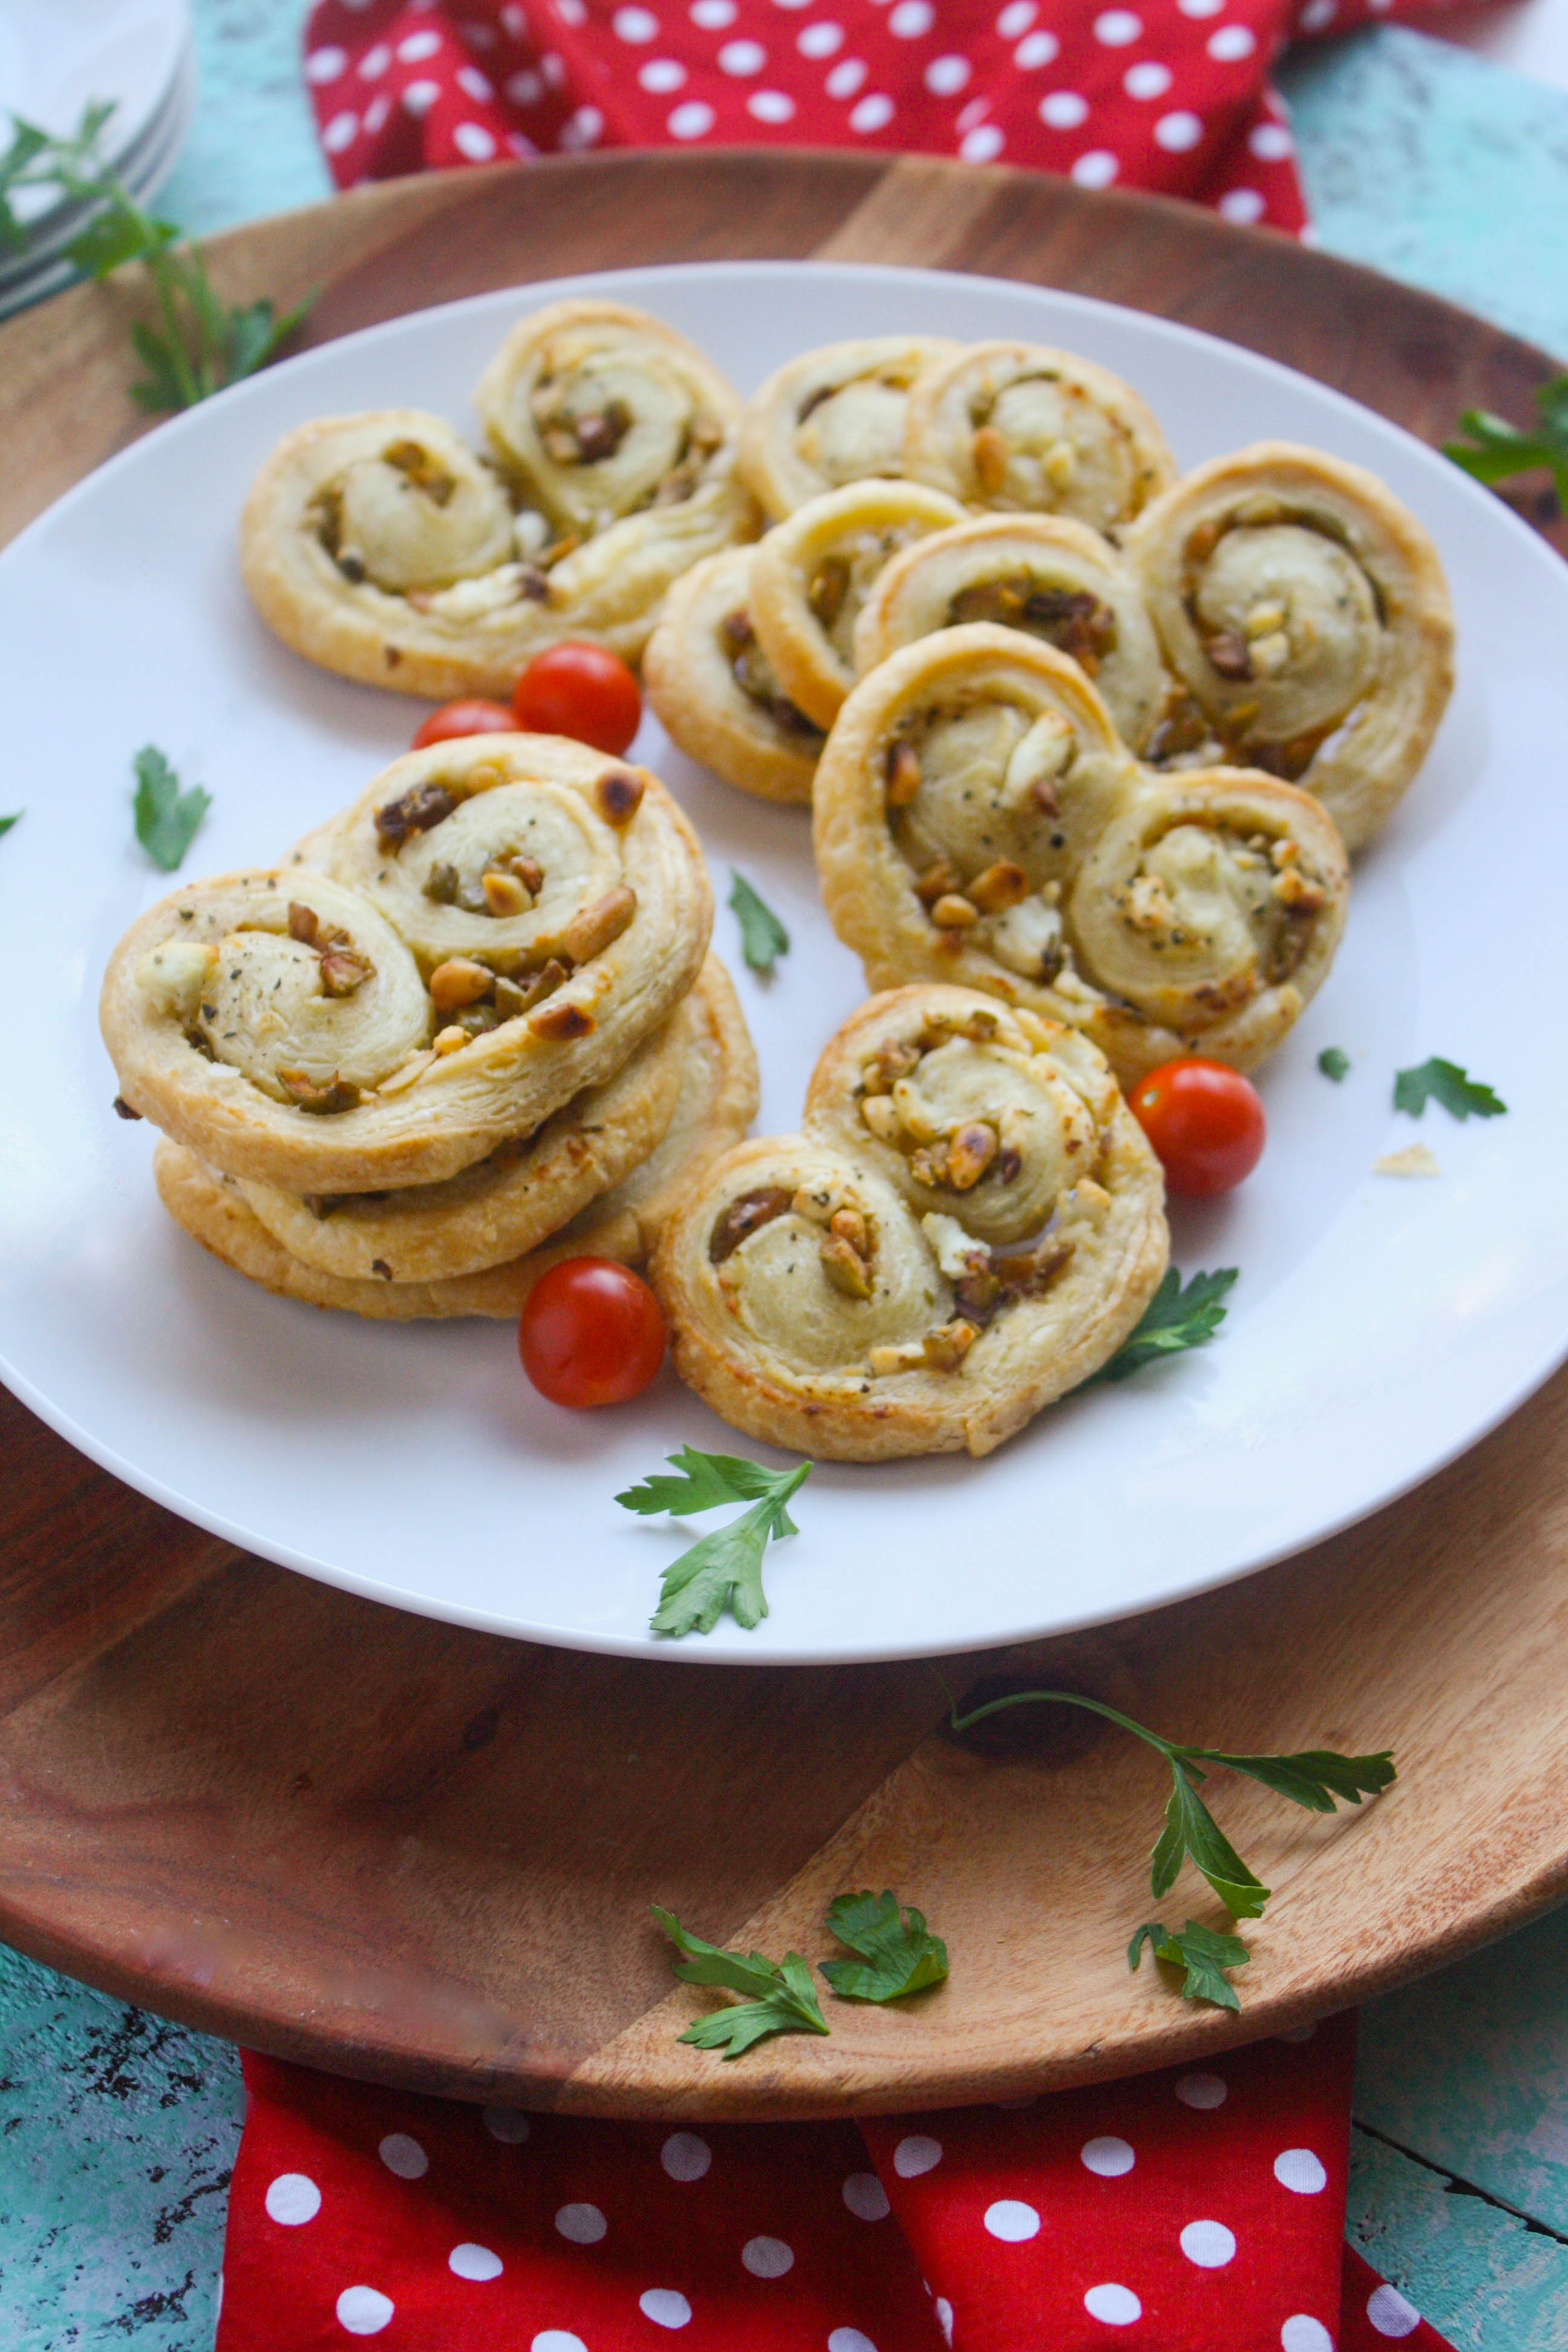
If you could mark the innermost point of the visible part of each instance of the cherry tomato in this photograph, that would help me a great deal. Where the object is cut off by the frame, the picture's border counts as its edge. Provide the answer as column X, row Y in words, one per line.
column 472, row 717
column 1205, row 1123
column 582, row 691
column 592, row 1333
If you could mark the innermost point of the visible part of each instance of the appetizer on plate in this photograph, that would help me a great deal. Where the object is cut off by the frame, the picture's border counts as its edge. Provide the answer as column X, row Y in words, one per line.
column 831, row 417
column 707, row 677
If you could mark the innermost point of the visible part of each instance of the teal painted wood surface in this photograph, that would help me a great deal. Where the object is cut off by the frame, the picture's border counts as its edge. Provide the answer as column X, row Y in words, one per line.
column 117, row 2131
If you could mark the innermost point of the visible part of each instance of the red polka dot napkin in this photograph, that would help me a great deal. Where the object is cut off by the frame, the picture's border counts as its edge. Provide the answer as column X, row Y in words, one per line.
column 1195, row 2211
column 1166, row 94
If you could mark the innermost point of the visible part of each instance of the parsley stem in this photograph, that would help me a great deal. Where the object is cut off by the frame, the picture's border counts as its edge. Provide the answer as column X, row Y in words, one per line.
column 1061, row 1698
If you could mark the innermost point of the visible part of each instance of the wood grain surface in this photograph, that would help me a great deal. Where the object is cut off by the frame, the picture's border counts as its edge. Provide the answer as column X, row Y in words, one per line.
column 422, row 1856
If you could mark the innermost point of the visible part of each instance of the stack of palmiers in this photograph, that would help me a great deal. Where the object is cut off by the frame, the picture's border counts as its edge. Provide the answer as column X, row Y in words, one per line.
column 466, row 1029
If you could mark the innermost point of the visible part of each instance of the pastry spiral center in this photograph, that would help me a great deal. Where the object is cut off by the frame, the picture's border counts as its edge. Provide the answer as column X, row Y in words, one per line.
column 1197, row 917
column 447, row 889
column 616, row 427
column 1287, row 617
column 1060, row 449
column 854, row 432
column 410, row 519
column 990, row 1134
column 782, row 1283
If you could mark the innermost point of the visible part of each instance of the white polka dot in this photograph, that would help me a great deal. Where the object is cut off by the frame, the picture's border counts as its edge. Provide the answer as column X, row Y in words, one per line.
column 1108, row 2155
column 420, row 97
column 362, row 2311
column 821, row 40
column 915, row 2155
column 1390, row 2313
column 1202, row 2091
column 471, row 2262
column 1036, row 50
column 525, row 89
column 1012, row 2220
column 1063, row 109
column 584, row 2225
column 583, row 128
column 472, row 140
column 767, row 2257
column 685, row 2156
column 911, row 20
column 981, row 145
column 1096, row 169
column 975, row 111
column 1115, row 2307
column 846, row 78
column 1302, row 2333
column 1231, row 44
column 376, row 113
column 665, row 2307
column 1178, row 132
column 1116, row 27
column 521, row 146
column 740, row 57
column 1209, row 2244
column 712, row 16
column 325, row 65
column 945, row 76
column 557, row 2340
column 770, row 105
column 293, row 2197
column 1297, row 2168
column 418, row 46
column 571, row 11
column 1271, row 142
column 474, row 84
column 661, row 75
column 1016, row 18
column 1149, row 80
column 866, row 2197
column 374, row 62
column 1200, row 8
column 692, row 121
column 340, row 132
column 403, row 2155
column 943, row 2310
column 515, row 19
column 506, row 2125
column 873, row 114
column 1316, row 15
column 849, row 2339
column 1244, row 205
column 634, row 25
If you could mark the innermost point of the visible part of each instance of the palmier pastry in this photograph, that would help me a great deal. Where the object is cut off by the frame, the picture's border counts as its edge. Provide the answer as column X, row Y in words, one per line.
column 717, row 1102
column 708, row 678
column 502, row 919
column 1052, row 578
column 1019, row 426
column 811, row 576
column 831, row 417
column 624, row 434
column 970, row 1226
column 381, row 547
column 977, row 818
column 1307, row 611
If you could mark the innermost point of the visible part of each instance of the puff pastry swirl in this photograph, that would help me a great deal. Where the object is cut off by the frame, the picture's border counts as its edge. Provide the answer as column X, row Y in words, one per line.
column 1307, row 611
column 969, row 1225
column 830, row 416
column 706, row 677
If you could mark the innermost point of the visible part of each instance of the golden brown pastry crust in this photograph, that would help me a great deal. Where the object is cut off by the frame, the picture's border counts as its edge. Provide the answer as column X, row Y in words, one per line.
column 831, row 417
column 874, row 1287
column 812, row 574
column 1054, row 579
column 1028, row 429
column 718, row 1099
column 977, row 819
column 1306, row 610
column 708, row 679
column 350, row 1093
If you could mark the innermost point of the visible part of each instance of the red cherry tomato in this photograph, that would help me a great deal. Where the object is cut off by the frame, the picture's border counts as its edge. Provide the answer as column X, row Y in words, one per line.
column 471, row 718
column 1205, row 1123
column 592, row 1333
column 582, row 691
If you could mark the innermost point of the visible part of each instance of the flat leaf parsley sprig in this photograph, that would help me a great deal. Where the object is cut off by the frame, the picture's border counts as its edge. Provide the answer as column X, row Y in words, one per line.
column 1174, row 1320
column 166, row 818
column 1496, row 450
column 900, row 1956
column 763, row 937
column 724, row 1570
column 1445, row 1082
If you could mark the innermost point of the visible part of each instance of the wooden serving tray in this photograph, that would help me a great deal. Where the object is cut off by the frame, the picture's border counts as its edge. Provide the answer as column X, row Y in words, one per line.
column 422, row 1856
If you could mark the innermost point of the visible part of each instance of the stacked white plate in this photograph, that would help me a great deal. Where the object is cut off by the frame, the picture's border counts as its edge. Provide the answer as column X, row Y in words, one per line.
column 59, row 56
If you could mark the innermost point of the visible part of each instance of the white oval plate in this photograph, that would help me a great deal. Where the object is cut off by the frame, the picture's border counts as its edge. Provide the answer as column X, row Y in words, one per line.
column 1379, row 1325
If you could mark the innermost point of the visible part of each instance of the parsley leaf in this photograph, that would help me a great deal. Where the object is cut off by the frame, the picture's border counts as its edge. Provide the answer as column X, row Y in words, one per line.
column 900, row 1954
column 763, row 937
column 166, row 818
column 7, row 821
column 724, row 1570
column 782, row 1998
column 1314, row 1779
column 1498, row 450
column 1445, row 1082
column 1174, row 1319
column 1334, row 1063
column 1201, row 1952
